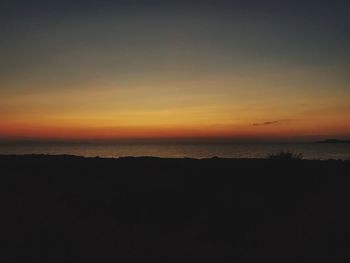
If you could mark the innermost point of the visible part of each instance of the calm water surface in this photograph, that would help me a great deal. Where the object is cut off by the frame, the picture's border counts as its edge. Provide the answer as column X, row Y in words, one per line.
column 228, row 150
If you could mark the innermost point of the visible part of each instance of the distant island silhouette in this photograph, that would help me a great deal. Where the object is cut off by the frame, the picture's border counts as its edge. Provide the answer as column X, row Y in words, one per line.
column 333, row 141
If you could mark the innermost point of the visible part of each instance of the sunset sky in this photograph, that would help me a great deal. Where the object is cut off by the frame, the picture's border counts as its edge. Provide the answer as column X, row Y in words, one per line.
column 174, row 69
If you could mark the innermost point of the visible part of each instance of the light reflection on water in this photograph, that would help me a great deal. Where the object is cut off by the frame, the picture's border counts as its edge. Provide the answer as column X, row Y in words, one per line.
column 179, row 150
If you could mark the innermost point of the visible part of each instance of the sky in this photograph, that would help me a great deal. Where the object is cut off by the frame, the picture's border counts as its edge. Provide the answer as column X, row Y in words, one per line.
column 271, row 70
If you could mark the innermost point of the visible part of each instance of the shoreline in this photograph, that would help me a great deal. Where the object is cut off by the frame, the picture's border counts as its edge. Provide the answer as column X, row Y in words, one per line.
column 35, row 155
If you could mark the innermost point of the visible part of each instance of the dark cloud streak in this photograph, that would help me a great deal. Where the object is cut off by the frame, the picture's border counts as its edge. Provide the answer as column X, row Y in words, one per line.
column 265, row 123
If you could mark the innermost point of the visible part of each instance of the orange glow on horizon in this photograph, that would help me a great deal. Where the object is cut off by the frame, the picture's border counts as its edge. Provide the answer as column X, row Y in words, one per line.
column 287, row 129
column 176, row 110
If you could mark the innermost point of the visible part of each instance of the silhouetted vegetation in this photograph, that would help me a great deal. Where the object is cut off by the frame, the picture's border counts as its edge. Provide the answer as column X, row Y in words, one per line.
column 285, row 156
column 74, row 209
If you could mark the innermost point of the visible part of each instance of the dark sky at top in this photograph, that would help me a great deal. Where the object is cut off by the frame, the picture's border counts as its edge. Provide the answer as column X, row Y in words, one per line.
column 323, row 13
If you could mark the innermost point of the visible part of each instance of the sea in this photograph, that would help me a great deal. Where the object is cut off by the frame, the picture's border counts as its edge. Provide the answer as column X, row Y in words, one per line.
column 323, row 151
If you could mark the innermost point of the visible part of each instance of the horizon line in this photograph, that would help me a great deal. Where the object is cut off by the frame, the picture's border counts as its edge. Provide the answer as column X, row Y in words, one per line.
column 298, row 139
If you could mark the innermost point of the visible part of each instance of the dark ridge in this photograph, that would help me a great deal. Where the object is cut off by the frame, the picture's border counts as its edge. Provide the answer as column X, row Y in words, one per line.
column 333, row 141
column 74, row 209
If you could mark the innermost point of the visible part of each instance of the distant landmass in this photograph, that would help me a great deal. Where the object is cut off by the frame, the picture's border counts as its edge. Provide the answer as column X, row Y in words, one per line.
column 333, row 141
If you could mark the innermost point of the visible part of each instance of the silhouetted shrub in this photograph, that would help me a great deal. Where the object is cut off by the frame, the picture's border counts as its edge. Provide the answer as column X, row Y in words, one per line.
column 283, row 155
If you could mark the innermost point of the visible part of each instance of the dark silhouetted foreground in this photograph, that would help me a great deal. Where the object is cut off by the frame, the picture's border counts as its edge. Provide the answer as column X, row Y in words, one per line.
column 72, row 209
